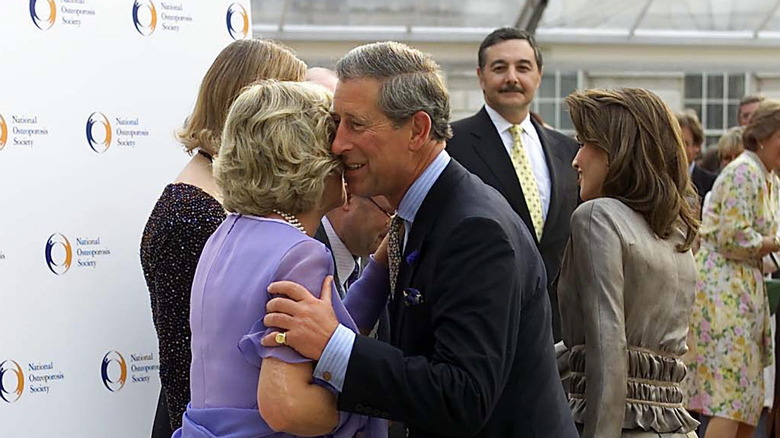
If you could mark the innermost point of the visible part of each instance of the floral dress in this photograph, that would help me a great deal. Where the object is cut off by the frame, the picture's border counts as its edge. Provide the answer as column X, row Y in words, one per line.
column 729, row 337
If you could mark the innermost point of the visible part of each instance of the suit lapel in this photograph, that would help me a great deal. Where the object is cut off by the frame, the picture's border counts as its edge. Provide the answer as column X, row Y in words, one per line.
column 556, row 163
column 424, row 222
column 490, row 148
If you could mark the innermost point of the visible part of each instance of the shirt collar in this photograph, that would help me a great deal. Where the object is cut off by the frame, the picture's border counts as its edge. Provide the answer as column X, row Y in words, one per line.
column 414, row 197
column 503, row 124
column 345, row 261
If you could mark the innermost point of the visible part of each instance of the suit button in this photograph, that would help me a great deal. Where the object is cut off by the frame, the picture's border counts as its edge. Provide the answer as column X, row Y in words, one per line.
column 327, row 376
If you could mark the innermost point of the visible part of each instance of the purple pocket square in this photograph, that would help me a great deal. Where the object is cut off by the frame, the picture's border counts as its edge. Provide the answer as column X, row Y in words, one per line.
column 412, row 297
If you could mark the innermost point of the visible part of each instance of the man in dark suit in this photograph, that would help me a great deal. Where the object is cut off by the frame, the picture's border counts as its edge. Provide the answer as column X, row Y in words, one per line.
column 510, row 71
column 351, row 232
column 693, row 139
column 471, row 351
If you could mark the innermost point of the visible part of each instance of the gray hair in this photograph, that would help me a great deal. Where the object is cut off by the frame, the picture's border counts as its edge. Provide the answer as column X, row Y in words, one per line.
column 410, row 82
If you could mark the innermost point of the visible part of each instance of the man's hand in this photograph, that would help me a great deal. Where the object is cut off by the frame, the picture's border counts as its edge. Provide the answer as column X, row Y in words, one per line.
column 308, row 321
column 380, row 255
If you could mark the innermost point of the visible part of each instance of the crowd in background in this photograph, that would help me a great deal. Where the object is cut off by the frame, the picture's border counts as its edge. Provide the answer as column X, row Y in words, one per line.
column 491, row 277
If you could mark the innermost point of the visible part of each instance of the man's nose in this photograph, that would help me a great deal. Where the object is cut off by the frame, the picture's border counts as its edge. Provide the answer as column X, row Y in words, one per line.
column 340, row 143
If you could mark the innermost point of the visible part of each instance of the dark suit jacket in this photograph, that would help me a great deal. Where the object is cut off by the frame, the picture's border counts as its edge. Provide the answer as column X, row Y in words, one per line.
column 703, row 180
column 478, row 147
column 472, row 355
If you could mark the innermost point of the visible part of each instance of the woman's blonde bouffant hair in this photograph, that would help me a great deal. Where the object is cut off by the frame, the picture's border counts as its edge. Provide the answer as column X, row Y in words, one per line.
column 648, row 168
column 237, row 65
column 276, row 148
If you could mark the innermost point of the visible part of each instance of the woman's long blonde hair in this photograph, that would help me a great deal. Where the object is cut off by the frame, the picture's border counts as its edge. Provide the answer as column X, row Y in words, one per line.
column 237, row 65
column 648, row 168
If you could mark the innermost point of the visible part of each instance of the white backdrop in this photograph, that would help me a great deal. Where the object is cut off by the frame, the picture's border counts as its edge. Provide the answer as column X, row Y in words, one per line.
column 91, row 92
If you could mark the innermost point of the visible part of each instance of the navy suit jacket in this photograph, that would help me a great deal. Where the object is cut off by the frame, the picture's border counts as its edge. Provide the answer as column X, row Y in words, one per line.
column 472, row 350
column 703, row 180
column 478, row 147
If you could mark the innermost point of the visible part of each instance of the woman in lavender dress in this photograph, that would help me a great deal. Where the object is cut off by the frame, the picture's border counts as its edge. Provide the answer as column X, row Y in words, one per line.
column 189, row 210
column 278, row 178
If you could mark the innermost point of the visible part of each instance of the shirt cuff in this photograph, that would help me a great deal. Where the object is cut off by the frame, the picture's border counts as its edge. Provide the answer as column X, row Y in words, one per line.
column 332, row 366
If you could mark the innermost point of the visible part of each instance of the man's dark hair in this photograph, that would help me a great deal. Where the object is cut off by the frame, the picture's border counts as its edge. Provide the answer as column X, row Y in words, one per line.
column 506, row 34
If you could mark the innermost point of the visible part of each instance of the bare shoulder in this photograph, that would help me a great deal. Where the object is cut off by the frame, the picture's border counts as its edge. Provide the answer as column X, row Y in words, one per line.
column 197, row 172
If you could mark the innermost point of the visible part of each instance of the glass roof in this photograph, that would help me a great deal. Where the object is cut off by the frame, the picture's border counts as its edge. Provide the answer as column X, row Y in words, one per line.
column 378, row 19
column 749, row 22
column 677, row 20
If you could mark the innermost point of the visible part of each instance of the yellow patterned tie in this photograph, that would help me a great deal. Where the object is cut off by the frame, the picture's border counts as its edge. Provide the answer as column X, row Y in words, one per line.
column 527, row 180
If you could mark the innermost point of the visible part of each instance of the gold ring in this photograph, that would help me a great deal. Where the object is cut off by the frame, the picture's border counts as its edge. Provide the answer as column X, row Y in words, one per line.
column 281, row 338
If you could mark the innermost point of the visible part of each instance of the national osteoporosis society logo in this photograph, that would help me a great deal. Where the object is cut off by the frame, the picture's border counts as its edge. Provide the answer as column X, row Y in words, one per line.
column 59, row 253
column 3, row 132
column 11, row 381
column 144, row 17
column 98, row 132
column 113, row 371
column 237, row 21
column 43, row 13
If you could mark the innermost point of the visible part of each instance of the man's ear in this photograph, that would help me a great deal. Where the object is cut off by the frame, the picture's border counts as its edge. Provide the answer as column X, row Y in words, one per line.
column 541, row 75
column 421, row 130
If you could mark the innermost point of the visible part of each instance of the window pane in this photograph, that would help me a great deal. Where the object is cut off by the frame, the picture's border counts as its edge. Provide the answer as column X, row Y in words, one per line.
column 547, row 111
column 732, row 115
column 566, row 123
column 715, row 86
column 711, row 141
column 693, row 86
column 736, row 87
column 547, row 89
column 568, row 84
column 714, row 116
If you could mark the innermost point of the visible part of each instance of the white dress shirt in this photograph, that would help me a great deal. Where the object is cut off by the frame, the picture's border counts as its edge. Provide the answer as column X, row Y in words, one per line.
column 345, row 261
column 533, row 147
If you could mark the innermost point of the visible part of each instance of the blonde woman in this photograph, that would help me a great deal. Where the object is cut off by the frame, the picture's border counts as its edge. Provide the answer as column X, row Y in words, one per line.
column 278, row 178
column 626, row 286
column 189, row 210
column 730, row 332
column 730, row 146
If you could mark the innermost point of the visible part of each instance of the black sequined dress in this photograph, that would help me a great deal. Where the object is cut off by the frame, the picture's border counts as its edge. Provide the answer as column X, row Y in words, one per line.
column 181, row 222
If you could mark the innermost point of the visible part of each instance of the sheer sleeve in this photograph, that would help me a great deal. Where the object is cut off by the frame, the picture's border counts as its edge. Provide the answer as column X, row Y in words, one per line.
column 306, row 263
column 368, row 296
